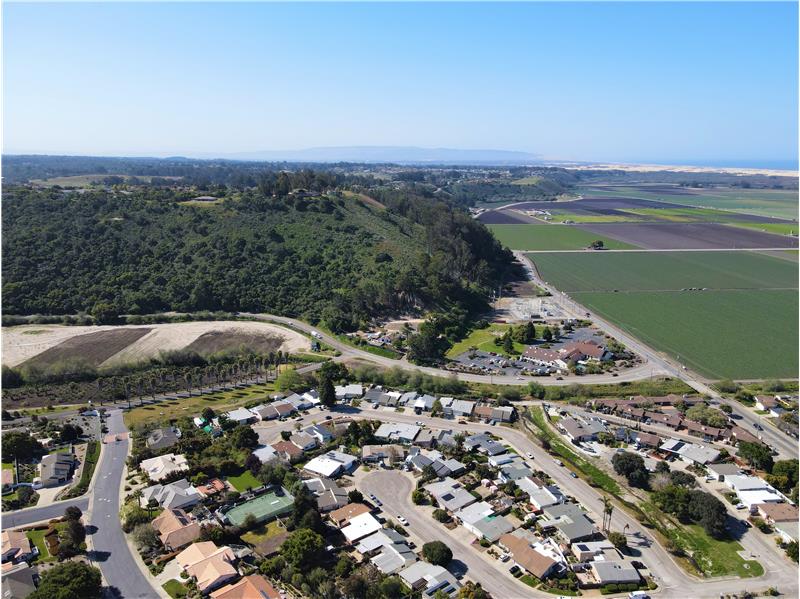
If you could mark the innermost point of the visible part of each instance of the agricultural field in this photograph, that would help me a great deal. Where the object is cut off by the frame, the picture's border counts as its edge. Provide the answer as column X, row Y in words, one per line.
column 748, row 300
column 550, row 237
column 107, row 345
column 764, row 202
column 774, row 228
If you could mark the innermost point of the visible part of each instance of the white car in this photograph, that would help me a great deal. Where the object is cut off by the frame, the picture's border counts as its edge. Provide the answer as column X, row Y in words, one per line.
column 402, row 520
column 530, row 455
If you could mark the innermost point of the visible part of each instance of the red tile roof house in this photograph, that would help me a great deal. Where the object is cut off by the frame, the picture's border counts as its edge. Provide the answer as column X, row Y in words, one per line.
column 766, row 402
column 288, row 450
column 672, row 421
column 697, row 429
column 586, row 350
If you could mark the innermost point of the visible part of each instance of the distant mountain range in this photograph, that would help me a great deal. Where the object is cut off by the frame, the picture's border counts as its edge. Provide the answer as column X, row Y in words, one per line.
column 395, row 154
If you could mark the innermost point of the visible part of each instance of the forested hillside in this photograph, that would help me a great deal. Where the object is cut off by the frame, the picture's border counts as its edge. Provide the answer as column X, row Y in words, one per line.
column 335, row 257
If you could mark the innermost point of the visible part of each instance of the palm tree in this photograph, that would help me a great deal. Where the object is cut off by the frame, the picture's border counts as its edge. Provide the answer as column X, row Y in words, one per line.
column 126, row 387
column 608, row 509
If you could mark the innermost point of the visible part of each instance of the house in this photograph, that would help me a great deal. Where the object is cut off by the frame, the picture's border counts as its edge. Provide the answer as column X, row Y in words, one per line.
column 180, row 494
column 483, row 411
column 569, row 521
column 587, row 351
column 579, row 432
column 303, row 440
column 331, row 464
column 342, row 516
column 766, row 402
column 373, row 543
column 460, row 408
column 541, row 496
column 490, row 528
column 176, row 528
column 503, row 413
column 484, row 443
column 18, row 581
column 360, row 526
column 284, row 408
column 472, row 513
column 407, row 398
column 759, row 496
column 614, row 572
column 374, row 396
column 299, row 402
column 348, row 391
column 321, row 433
column 743, row 482
column 161, row 467
column 330, row 496
column 387, row 550
column 425, row 438
column 424, row 403
column 211, row 488
column 398, row 432
column 265, row 412
column 241, row 416
column 514, row 471
column 162, row 438
column 585, row 552
column 545, row 357
column 253, row 586
column 56, row 468
column 390, row 454
column 266, row 454
column 450, row 494
column 16, row 546
column 708, row 433
column 788, row 531
column 210, row 565
column 287, row 450
column 776, row 512
column 647, row 440
column 689, row 452
column 542, row 559
column 673, row 421
column 430, row 580
column 720, row 471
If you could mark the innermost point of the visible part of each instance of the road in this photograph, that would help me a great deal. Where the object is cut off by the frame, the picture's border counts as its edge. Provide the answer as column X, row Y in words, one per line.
column 671, row 578
column 110, row 550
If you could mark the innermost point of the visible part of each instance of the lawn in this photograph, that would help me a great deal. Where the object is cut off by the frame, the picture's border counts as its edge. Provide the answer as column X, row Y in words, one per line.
column 744, row 334
column 175, row 589
column 550, row 237
column 191, row 406
column 37, row 538
column 657, row 271
column 245, row 481
column 262, row 533
column 483, row 339
column 8, row 465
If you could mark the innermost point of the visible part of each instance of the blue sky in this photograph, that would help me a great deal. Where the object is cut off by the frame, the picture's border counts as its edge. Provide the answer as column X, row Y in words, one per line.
column 608, row 81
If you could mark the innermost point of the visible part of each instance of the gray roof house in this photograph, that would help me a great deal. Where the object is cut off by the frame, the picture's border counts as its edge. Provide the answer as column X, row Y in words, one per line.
column 450, row 494
column 162, row 438
column 180, row 494
column 570, row 521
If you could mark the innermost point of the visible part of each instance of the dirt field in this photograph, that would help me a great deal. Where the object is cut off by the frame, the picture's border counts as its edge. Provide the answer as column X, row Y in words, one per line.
column 216, row 341
column 24, row 342
column 504, row 217
column 95, row 348
column 689, row 236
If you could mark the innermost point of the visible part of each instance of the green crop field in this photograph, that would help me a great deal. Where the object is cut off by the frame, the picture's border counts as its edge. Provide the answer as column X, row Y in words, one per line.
column 776, row 228
column 765, row 202
column 550, row 237
column 669, row 271
column 742, row 326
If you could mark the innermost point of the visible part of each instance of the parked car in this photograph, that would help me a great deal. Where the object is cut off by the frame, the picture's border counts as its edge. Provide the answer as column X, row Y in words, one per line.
column 402, row 520
column 573, row 475
column 529, row 454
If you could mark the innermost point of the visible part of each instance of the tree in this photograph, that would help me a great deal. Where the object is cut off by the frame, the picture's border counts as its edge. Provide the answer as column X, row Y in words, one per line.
column 436, row 408
column 252, row 463
column 536, row 390
column 73, row 513
column 791, row 550
column 20, row 446
column 597, row 244
column 208, row 414
column 145, row 537
column 508, row 343
column 70, row 432
column 547, row 335
column 104, row 313
column 631, row 466
column 618, row 539
column 788, row 470
column 289, row 380
column 756, row 454
column 418, row 496
column 302, row 548
column 355, row 496
column 437, row 553
column 530, row 333
column 69, row 580
column 441, row 515
column 472, row 590
column 327, row 392
column 708, row 511
column 426, row 346
column 244, row 437
column 682, row 479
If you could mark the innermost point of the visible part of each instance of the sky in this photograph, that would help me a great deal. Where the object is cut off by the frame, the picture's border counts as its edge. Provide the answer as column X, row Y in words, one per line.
column 622, row 82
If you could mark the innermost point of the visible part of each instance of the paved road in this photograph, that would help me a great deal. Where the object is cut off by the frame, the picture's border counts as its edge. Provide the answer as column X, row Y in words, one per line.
column 394, row 488
column 672, row 579
column 109, row 548
column 33, row 515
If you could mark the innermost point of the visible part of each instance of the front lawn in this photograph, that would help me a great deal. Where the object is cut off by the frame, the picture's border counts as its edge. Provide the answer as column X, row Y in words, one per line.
column 175, row 589
column 36, row 537
column 716, row 557
column 245, row 481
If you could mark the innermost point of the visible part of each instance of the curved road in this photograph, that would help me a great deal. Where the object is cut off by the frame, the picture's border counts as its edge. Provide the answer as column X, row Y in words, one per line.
column 109, row 548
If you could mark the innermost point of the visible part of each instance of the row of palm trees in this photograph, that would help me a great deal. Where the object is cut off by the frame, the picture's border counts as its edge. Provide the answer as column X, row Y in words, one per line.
column 159, row 380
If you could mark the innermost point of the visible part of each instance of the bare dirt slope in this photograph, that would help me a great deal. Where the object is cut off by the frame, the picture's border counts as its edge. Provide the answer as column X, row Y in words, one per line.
column 25, row 342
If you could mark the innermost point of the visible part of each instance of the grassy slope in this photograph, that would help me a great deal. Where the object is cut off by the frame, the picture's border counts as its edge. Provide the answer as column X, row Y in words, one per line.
column 550, row 237
column 483, row 339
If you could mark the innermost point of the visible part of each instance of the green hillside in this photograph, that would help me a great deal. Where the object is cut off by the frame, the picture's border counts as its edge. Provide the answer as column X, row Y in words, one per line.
column 338, row 258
